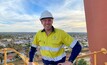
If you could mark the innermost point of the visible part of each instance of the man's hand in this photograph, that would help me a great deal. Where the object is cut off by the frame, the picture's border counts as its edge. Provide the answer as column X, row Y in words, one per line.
column 30, row 63
column 66, row 63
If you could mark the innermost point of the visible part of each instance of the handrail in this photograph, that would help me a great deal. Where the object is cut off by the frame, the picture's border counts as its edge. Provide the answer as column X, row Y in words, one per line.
column 105, row 63
column 103, row 50
column 24, row 58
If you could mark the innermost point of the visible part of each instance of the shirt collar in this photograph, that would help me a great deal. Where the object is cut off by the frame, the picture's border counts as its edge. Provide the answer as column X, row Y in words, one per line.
column 53, row 29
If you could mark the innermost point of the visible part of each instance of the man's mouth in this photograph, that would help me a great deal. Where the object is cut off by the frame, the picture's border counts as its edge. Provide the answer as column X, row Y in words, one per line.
column 47, row 25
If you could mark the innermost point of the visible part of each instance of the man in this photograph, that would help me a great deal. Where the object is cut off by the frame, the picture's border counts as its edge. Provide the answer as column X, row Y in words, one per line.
column 52, row 41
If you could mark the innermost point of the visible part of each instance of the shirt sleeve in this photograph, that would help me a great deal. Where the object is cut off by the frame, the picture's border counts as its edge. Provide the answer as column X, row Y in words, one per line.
column 35, row 41
column 75, row 52
column 68, row 40
column 32, row 53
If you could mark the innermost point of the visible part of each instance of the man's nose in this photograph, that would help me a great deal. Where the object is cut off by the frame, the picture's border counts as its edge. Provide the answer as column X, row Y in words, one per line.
column 47, row 22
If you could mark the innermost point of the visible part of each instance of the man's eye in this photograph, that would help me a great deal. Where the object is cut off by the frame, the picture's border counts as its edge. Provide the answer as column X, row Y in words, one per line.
column 49, row 20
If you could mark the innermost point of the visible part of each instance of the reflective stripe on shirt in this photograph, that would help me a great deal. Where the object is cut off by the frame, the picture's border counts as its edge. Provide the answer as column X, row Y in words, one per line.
column 33, row 45
column 54, row 59
column 50, row 48
column 73, row 43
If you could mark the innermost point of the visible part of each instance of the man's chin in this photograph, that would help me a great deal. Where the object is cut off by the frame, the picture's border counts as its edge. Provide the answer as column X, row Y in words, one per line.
column 47, row 28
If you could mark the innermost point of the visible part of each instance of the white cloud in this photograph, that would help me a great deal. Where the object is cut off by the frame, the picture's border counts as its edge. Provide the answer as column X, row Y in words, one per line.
column 73, row 21
column 21, row 26
column 68, row 17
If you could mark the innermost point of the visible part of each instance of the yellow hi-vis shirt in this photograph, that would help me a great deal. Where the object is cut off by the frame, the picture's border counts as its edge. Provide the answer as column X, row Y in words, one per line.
column 52, row 46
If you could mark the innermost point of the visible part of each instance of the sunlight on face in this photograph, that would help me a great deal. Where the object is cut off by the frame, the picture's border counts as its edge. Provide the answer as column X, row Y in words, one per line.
column 47, row 23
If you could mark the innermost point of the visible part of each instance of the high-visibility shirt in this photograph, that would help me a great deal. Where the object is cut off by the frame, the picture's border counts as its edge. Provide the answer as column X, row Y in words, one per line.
column 52, row 46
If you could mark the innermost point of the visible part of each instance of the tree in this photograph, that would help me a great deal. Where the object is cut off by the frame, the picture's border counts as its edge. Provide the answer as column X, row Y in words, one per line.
column 81, row 62
column 1, row 36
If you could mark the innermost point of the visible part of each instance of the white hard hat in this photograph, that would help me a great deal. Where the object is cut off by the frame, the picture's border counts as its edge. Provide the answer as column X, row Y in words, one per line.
column 46, row 14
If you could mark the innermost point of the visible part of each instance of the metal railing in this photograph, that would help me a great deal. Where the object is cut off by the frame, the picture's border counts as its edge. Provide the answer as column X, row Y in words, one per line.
column 103, row 50
column 25, row 59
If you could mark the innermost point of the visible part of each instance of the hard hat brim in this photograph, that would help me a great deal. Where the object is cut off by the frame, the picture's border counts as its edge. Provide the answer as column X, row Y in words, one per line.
column 46, row 18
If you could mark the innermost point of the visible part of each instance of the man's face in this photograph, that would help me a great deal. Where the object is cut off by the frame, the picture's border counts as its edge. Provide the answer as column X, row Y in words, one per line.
column 47, row 23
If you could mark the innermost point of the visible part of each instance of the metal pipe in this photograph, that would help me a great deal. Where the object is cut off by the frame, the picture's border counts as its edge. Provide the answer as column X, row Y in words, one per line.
column 95, row 58
column 5, row 56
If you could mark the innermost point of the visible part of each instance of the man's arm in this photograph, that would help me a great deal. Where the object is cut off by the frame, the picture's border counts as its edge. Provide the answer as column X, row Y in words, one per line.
column 32, row 53
column 75, row 51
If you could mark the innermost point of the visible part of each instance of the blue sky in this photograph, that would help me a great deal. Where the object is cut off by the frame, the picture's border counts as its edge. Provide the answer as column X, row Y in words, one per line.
column 23, row 15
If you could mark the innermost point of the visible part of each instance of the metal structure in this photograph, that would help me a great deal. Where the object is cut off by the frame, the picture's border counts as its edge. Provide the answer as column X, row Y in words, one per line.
column 95, row 53
column 96, row 22
column 25, row 59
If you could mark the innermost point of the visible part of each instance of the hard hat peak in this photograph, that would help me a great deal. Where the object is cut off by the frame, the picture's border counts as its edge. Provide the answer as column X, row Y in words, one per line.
column 46, row 14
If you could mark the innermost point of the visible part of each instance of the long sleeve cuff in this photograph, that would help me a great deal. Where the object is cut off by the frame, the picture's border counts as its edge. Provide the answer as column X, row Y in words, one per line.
column 75, row 51
column 32, row 53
